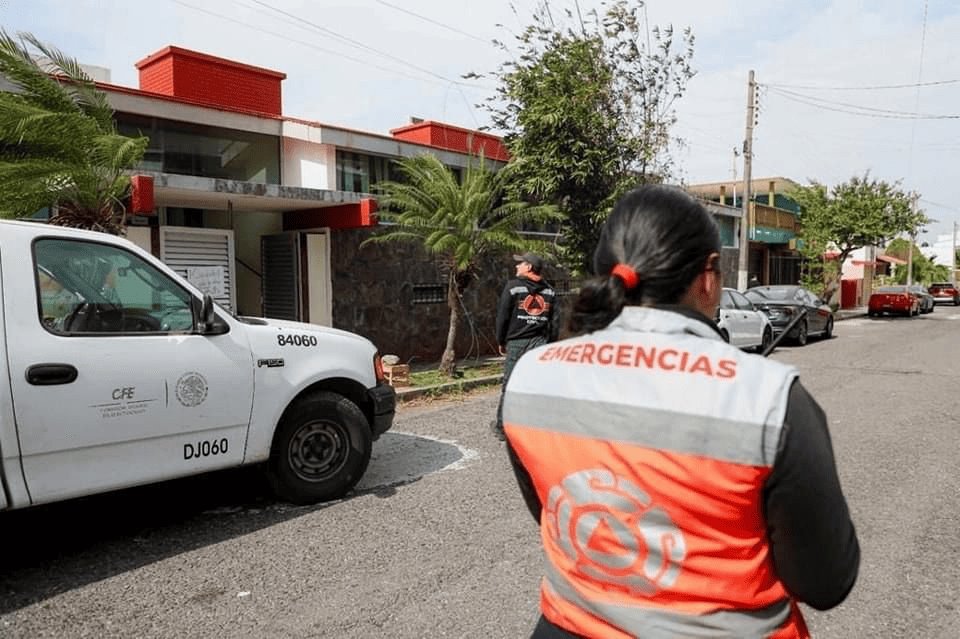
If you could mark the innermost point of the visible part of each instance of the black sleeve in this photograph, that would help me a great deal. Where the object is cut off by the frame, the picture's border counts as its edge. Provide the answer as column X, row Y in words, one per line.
column 553, row 327
column 526, row 484
column 814, row 544
column 504, row 308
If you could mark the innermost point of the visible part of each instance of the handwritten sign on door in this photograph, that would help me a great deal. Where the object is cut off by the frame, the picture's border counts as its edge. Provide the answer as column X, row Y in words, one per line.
column 209, row 279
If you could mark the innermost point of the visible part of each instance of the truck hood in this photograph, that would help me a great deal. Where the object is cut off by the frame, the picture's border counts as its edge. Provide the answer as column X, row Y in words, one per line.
column 300, row 326
column 306, row 352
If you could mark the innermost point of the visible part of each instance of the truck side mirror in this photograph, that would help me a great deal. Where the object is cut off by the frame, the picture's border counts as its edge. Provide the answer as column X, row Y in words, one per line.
column 207, row 322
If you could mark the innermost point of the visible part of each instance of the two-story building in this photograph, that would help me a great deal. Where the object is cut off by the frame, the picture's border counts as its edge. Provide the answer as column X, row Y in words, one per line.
column 267, row 212
column 772, row 225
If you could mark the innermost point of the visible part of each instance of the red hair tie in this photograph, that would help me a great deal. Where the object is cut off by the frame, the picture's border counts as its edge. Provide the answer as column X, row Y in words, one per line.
column 626, row 274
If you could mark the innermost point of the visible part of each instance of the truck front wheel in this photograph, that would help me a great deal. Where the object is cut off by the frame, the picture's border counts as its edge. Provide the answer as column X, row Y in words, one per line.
column 321, row 449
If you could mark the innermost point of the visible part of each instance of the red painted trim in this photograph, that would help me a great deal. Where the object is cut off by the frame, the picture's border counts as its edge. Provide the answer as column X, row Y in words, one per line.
column 198, row 76
column 453, row 138
column 141, row 195
column 343, row 216
column 205, row 57
column 178, row 100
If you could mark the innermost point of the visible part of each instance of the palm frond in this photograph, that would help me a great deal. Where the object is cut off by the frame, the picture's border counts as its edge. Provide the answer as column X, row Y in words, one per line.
column 27, row 186
column 117, row 152
column 35, row 130
column 82, row 88
column 393, row 236
column 36, row 86
column 58, row 141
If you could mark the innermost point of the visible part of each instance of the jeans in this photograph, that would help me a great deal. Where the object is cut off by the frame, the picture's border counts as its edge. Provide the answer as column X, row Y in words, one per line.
column 515, row 349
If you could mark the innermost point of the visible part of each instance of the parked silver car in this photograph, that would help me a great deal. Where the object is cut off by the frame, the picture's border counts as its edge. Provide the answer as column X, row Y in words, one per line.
column 927, row 302
column 741, row 323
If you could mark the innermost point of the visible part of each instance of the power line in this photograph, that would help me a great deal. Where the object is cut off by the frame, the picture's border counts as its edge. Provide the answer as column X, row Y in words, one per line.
column 432, row 21
column 942, row 206
column 916, row 103
column 847, row 104
column 810, row 87
column 311, row 45
column 358, row 44
column 853, row 109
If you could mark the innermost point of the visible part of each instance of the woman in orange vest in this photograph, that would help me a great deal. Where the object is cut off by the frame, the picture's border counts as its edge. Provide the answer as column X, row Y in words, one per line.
column 683, row 488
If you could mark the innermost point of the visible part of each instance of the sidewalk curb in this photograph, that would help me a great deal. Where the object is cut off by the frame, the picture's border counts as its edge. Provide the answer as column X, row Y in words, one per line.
column 406, row 394
column 849, row 313
column 459, row 385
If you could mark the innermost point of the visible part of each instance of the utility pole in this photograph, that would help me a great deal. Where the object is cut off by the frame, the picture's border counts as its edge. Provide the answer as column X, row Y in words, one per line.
column 953, row 254
column 913, row 209
column 736, row 154
column 747, row 195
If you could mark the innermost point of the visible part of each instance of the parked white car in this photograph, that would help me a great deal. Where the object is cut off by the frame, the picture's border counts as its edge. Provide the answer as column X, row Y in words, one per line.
column 741, row 323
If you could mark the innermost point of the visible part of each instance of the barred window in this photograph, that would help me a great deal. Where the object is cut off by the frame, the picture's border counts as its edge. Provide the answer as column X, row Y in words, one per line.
column 429, row 293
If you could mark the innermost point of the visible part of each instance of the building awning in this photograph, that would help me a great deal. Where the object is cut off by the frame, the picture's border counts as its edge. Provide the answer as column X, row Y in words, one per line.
column 889, row 259
column 212, row 193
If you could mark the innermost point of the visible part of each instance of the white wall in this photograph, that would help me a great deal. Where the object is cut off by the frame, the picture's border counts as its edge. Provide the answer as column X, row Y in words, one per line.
column 853, row 271
column 309, row 164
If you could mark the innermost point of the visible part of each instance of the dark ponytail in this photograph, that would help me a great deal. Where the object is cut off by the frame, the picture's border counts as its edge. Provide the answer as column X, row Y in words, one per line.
column 661, row 234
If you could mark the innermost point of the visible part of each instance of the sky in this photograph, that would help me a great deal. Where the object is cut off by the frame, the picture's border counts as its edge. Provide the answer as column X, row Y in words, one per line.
column 841, row 81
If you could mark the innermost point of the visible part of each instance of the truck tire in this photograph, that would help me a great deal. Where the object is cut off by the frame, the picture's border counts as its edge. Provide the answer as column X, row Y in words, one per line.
column 320, row 450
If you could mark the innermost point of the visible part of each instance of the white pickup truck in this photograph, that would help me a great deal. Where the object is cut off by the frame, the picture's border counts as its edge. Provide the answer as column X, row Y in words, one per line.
column 115, row 371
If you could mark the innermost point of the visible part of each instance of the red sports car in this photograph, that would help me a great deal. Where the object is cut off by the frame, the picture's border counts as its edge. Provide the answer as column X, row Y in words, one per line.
column 894, row 299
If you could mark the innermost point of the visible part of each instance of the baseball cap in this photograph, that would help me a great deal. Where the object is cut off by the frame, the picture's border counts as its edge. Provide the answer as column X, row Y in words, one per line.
column 535, row 261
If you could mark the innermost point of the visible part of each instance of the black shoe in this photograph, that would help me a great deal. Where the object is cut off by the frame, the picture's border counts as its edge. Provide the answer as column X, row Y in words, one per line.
column 497, row 431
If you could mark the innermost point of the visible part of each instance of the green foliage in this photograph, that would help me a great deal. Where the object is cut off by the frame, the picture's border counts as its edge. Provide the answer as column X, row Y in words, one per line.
column 587, row 109
column 857, row 213
column 58, row 141
column 925, row 270
column 458, row 223
column 433, row 378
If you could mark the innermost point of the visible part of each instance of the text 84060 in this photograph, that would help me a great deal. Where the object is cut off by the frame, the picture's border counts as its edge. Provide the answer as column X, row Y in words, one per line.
column 296, row 340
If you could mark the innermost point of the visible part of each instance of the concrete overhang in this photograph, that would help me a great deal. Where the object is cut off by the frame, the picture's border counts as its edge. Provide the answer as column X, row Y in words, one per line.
column 722, row 209
column 216, row 194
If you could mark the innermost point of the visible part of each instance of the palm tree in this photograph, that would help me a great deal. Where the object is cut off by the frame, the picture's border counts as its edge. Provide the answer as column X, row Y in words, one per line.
column 58, row 141
column 457, row 222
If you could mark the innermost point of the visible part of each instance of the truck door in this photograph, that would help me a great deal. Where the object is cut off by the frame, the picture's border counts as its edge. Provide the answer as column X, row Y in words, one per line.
column 112, row 385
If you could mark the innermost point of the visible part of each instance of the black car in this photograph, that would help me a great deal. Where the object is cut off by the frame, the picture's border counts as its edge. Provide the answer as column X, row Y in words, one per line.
column 784, row 302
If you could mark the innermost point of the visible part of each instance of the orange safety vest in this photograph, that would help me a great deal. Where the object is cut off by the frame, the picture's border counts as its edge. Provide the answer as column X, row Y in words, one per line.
column 649, row 443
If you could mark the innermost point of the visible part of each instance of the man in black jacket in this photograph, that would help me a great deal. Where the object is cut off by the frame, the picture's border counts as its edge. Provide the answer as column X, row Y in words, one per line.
column 526, row 318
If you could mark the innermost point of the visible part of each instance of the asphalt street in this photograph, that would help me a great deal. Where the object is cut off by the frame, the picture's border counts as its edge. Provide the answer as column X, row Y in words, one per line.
column 436, row 541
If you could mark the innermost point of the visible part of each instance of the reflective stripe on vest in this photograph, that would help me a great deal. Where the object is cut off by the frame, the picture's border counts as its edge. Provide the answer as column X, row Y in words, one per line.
column 730, row 440
column 648, row 446
column 658, row 623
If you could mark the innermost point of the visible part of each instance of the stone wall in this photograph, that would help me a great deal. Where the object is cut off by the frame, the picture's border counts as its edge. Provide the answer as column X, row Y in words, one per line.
column 374, row 289
column 373, row 295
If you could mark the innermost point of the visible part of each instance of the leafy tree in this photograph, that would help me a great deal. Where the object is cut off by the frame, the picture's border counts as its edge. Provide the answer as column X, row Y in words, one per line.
column 586, row 107
column 459, row 223
column 58, row 141
column 925, row 270
column 857, row 213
